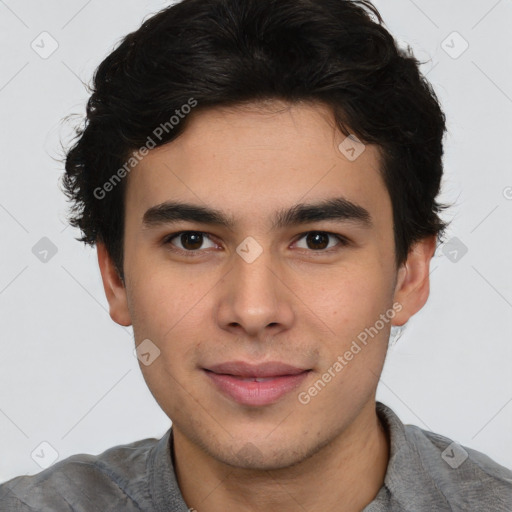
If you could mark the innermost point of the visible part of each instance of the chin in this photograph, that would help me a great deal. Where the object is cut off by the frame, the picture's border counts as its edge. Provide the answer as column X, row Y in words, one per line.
column 250, row 457
column 263, row 455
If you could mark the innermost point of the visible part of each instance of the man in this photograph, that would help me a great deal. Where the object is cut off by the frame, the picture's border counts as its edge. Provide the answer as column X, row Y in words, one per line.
column 260, row 179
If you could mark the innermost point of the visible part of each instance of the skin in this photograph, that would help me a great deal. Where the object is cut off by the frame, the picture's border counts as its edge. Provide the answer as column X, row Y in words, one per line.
column 293, row 304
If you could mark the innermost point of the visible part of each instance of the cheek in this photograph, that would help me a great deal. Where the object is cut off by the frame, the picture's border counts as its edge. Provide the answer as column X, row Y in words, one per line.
column 168, row 309
column 160, row 299
column 167, row 312
column 353, row 352
column 352, row 298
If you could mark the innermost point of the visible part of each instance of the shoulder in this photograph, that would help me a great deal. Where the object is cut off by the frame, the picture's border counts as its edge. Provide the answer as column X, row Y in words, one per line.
column 428, row 471
column 466, row 477
column 85, row 482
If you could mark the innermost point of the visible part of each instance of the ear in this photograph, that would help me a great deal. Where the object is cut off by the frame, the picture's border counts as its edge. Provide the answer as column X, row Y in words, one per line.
column 413, row 281
column 114, row 287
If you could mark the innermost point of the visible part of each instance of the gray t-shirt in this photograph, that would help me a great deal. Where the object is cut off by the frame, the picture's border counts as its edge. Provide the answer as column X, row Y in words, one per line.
column 426, row 472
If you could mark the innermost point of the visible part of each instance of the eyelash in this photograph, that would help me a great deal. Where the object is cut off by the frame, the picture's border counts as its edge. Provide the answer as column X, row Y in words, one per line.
column 192, row 253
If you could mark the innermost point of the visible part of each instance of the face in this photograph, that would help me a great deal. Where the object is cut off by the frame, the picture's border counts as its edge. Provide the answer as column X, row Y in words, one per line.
column 302, row 303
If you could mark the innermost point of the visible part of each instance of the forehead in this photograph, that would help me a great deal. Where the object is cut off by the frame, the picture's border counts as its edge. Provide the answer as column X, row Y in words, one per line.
column 253, row 160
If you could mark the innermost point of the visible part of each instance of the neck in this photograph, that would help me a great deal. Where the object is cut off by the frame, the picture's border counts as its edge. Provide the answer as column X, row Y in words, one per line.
column 345, row 474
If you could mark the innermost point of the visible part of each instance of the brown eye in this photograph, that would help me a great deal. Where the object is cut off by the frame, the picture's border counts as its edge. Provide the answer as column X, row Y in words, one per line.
column 188, row 241
column 319, row 241
column 191, row 241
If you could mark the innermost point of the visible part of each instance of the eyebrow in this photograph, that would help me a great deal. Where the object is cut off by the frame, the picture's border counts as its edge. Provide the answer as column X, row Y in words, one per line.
column 338, row 208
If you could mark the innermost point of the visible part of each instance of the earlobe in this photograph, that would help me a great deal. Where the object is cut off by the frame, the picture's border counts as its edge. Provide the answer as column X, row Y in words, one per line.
column 413, row 281
column 115, row 290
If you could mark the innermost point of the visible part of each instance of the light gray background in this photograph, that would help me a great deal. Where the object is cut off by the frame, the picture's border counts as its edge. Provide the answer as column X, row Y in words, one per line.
column 68, row 373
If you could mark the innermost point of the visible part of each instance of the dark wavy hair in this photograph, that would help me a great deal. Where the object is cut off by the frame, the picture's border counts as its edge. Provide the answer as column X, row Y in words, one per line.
column 230, row 52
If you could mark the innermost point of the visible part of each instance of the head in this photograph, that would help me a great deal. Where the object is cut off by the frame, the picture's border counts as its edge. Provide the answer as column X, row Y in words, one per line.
column 228, row 120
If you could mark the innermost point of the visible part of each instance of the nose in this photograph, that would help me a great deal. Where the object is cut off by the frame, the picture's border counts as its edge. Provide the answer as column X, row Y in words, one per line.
column 255, row 298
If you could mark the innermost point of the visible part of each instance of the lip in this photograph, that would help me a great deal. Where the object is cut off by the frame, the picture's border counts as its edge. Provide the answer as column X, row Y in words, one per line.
column 238, row 381
column 262, row 370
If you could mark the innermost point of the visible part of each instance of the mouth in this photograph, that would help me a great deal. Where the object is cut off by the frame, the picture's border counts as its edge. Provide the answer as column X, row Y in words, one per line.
column 255, row 385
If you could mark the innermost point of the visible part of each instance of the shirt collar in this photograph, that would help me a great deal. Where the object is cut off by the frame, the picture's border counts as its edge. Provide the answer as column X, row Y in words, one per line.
column 163, row 485
column 407, row 480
